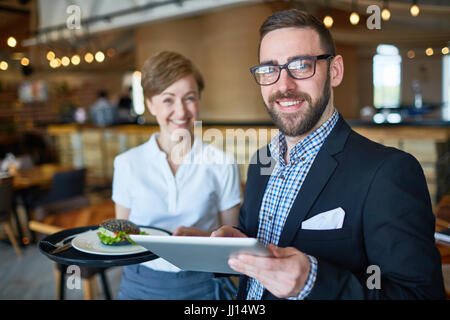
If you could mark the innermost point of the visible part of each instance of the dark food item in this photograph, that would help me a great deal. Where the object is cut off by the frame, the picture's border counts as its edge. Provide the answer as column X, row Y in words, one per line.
column 116, row 232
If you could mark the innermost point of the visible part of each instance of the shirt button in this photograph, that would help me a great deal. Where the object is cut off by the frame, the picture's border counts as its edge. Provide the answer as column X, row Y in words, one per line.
column 270, row 218
column 281, row 177
column 302, row 158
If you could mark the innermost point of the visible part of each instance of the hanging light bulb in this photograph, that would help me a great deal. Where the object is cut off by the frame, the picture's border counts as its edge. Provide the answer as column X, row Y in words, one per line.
column 429, row 51
column 445, row 50
column 99, row 56
column 414, row 9
column 3, row 65
column 411, row 54
column 12, row 42
column 50, row 55
column 328, row 21
column 75, row 60
column 65, row 61
column 385, row 13
column 25, row 61
column 88, row 57
column 354, row 16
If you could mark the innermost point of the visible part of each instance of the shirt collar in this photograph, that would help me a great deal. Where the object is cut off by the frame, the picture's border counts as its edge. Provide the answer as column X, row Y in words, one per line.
column 156, row 151
column 312, row 142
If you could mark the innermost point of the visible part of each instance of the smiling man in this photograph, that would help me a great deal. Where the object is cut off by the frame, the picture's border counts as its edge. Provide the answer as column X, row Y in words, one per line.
column 344, row 217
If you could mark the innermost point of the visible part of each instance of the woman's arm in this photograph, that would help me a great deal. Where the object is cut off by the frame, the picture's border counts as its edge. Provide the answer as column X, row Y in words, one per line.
column 122, row 212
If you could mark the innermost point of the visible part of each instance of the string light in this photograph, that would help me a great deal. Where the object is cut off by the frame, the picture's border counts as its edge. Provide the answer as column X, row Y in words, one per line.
column 88, row 57
column 414, row 9
column 3, row 65
column 328, row 21
column 445, row 50
column 99, row 56
column 385, row 13
column 354, row 18
column 25, row 61
column 12, row 42
column 429, row 51
column 50, row 55
column 65, row 61
column 75, row 59
column 411, row 54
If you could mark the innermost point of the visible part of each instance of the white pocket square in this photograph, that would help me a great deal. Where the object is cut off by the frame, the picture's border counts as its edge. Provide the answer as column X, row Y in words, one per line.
column 328, row 220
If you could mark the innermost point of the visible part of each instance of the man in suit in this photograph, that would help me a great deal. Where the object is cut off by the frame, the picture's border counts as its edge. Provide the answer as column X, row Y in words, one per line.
column 344, row 217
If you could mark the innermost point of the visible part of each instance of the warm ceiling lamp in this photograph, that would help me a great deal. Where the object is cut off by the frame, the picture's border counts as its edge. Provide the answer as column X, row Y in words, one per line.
column 25, row 61
column 110, row 52
column 65, row 61
column 50, row 55
column 328, row 21
column 354, row 16
column 445, row 50
column 429, row 52
column 55, row 63
column 414, row 9
column 12, row 42
column 75, row 60
column 4, row 65
column 411, row 54
column 99, row 56
column 385, row 13
column 88, row 57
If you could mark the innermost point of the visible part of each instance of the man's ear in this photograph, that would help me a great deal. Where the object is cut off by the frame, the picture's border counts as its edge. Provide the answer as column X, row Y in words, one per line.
column 149, row 105
column 336, row 70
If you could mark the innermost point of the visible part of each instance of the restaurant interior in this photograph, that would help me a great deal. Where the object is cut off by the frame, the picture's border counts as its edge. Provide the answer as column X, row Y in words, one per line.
column 58, row 57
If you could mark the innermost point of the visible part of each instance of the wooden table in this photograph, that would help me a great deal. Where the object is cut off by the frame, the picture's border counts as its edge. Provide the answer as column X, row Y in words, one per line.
column 24, row 180
column 86, row 216
column 38, row 176
column 90, row 215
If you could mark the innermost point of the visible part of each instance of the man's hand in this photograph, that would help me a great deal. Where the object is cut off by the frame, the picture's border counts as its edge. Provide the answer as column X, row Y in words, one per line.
column 190, row 231
column 228, row 231
column 284, row 274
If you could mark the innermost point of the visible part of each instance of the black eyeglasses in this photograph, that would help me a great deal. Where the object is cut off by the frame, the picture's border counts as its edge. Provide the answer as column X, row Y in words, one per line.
column 299, row 68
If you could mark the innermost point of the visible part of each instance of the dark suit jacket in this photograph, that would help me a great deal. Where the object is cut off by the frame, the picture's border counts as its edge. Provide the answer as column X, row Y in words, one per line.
column 388, row 220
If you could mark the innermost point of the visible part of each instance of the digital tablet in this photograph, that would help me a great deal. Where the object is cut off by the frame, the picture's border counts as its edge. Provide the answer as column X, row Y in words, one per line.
column 208, row 254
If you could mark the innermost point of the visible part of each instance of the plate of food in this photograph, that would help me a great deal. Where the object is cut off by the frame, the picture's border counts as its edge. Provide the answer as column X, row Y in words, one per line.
column 113, row 238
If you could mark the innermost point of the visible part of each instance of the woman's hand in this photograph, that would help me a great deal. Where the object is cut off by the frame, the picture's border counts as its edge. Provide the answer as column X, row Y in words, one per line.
column 228, row 231
column 190, row 231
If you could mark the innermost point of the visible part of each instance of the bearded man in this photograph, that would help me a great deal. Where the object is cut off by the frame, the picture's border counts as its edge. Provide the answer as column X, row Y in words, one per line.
column 344, row 217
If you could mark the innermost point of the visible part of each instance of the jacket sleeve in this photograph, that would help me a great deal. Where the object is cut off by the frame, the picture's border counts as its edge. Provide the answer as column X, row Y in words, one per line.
column 398, row 231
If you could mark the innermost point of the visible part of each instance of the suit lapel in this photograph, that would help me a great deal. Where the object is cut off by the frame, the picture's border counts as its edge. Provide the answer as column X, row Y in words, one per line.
column 318, row 176
column 264, row 170
column 320, row 172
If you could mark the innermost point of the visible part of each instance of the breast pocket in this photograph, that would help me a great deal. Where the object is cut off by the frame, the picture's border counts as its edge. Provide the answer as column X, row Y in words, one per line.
column 324, row 235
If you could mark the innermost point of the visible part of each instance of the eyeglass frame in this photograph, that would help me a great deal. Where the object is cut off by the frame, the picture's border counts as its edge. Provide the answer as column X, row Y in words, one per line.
column 284, row 66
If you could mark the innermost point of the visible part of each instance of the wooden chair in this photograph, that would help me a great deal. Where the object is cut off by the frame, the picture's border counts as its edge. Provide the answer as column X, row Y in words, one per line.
column 6, row 200
column 42, row 223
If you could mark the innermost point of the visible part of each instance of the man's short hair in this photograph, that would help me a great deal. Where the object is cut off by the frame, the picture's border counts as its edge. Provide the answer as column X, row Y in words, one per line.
column 163, row 69
column 295, row 18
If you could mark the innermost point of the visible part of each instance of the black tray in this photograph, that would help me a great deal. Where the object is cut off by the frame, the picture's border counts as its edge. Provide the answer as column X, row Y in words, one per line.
column 76, row 257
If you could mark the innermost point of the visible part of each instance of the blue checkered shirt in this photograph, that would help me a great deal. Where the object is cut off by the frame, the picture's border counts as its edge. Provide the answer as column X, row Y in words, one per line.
column 281, row 191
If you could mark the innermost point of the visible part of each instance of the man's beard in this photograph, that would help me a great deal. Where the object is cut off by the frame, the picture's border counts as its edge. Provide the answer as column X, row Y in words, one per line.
column 298, row 123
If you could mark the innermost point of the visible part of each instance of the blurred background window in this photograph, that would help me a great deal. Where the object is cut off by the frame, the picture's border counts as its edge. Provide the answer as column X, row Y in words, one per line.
column 387, row 77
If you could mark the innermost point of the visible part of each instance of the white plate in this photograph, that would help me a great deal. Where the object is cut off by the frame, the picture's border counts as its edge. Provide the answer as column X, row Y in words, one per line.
column 90, row 243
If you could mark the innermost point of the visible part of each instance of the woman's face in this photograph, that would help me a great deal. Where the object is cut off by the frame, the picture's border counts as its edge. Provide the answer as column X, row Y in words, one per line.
column 177, row 106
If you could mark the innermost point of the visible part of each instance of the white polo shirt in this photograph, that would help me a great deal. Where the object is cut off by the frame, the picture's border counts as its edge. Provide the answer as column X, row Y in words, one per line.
column 206, row 183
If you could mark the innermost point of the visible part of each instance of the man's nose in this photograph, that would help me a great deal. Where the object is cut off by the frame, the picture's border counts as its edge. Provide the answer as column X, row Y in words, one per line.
column 285, row 82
